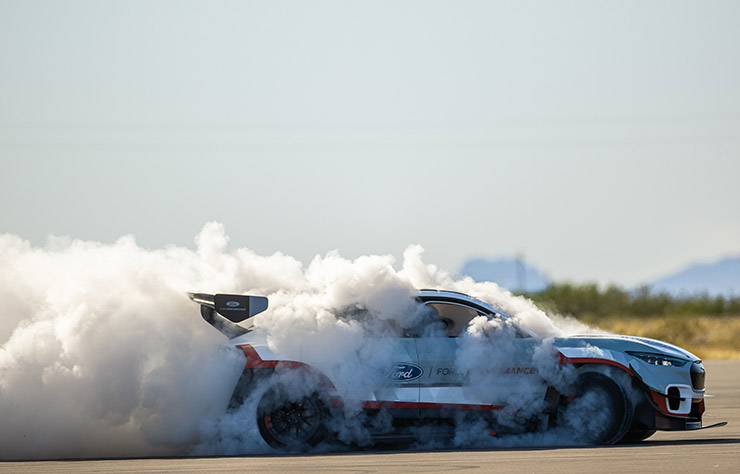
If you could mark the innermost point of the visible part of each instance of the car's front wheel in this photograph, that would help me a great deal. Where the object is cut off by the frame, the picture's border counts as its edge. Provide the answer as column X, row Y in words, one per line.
column 292, row 423
column 599, row 412
column 635, row 436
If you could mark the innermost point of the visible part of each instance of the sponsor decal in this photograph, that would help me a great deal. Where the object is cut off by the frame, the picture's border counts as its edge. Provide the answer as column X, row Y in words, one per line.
column 405, row 372
column 446, row 371
column 232, row 304
column 518, row 371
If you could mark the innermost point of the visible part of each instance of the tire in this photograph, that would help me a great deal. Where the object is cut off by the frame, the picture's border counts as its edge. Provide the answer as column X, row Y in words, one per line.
column 643, row 422
column 292, row 423
column 635, row 436
column 599, row 413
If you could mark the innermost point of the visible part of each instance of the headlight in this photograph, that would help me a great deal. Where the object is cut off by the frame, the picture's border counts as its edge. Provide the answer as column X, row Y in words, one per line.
column 658, row 359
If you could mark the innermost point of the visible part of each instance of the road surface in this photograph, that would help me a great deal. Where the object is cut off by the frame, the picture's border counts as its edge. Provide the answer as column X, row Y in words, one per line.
column 714, row 450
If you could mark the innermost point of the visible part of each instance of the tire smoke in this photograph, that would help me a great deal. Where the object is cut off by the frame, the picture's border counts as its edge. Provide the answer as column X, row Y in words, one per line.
column 102, row 354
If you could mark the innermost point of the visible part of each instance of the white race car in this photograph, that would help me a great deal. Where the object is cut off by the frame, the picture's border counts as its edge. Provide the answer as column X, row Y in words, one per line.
column 507, row 381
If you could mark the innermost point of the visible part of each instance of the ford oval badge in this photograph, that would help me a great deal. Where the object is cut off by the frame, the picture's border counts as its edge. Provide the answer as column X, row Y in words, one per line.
column 405, row 372
column 232, row 304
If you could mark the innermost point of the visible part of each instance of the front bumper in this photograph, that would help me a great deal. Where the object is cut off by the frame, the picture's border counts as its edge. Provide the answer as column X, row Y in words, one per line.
column 669, row 423
column 688, row 422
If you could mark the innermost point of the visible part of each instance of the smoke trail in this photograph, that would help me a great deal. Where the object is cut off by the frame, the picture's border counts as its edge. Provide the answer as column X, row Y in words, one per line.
column 103, row 355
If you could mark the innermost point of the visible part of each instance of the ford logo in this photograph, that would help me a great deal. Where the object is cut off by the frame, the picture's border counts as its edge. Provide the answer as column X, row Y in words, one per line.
column 232, row 304
column 405, row 372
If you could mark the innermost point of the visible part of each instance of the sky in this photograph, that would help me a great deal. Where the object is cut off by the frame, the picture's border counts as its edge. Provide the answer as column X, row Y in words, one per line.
column 601, row 140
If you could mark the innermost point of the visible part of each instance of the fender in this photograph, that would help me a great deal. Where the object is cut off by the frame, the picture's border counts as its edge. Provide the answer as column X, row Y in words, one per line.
column 257, row 370
column 578, row 356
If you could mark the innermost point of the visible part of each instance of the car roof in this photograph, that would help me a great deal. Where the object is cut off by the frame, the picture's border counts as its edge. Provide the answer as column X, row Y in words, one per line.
column 429, row 295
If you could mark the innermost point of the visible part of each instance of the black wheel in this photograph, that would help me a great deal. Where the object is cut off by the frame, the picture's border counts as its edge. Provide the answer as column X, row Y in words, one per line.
column 600, row 412
column 635, row 436
column 292, row 423
column 643, row 422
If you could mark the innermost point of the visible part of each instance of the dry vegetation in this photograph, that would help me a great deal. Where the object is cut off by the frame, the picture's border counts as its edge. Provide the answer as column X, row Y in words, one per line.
column 709, row 337
column 708, row 326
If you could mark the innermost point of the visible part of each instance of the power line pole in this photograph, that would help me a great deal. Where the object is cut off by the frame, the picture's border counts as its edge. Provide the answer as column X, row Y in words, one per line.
column 521, row 272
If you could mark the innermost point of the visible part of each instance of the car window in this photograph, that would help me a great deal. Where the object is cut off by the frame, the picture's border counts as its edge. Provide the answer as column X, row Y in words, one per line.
column 454, row 317
column 371, row 323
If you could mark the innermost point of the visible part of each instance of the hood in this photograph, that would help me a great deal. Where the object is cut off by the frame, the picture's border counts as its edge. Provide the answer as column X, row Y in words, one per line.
column 627, row 343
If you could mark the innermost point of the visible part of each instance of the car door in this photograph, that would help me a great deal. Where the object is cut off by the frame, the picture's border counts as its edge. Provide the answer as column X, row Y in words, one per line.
column 473, row 371
column 443, row 384
column 400, row 391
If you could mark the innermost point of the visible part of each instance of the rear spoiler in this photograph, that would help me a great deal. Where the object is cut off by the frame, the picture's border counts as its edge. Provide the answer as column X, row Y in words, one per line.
column 223, row 311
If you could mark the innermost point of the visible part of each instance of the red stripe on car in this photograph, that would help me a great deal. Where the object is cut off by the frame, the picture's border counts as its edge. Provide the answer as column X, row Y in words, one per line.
column 254, row 361
column 594, row 360
column 424, row 405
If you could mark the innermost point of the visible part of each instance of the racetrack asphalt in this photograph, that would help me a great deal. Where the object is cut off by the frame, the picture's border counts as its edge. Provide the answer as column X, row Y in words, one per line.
column 712, row 450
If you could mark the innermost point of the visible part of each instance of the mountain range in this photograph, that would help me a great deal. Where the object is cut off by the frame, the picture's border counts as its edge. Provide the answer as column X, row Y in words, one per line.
column 719, row 278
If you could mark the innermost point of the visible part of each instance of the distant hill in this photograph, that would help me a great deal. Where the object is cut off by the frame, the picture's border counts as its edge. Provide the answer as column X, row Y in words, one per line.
column 507, row 273
column 720, row 278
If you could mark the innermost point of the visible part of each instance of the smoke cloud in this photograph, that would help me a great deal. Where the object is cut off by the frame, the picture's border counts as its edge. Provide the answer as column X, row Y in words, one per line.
column 102, row 354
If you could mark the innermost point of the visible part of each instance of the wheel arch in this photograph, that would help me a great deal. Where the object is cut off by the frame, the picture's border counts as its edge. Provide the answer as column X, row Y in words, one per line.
column 258, row 372
column 599, row 410
column 642, row 406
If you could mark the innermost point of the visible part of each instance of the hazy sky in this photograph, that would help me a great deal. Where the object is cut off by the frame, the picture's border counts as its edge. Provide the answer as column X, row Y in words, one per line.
column 601, row 139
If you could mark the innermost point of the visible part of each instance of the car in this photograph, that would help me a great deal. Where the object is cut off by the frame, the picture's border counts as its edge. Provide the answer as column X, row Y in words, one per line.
column 456, row 369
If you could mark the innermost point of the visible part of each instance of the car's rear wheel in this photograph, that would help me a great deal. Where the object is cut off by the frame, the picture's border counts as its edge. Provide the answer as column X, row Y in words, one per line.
column 600, row 411
column 292, row 423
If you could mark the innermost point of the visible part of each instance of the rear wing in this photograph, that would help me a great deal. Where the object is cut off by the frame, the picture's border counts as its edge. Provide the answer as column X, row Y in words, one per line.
column 223, row 311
